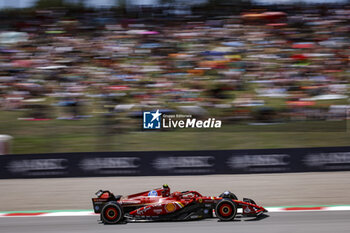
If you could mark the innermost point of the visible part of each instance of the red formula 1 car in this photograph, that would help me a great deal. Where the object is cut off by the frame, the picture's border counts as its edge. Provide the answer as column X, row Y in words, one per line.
column 162, row 205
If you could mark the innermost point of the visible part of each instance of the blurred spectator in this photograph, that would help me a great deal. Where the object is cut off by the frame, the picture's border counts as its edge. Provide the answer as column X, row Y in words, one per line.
column 260, row 66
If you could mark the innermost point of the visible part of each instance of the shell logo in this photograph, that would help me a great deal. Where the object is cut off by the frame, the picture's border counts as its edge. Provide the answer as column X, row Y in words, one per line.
column 170, row 207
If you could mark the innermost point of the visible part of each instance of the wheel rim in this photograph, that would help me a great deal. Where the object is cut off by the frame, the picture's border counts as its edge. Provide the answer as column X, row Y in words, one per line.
column 111, row 213
column 225, row 210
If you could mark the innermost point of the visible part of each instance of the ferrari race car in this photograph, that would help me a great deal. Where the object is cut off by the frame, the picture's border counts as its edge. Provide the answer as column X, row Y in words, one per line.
column 162, row 205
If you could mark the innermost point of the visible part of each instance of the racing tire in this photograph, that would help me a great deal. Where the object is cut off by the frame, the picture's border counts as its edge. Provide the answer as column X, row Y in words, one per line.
column 226, row 210
column 112, row 213
column 228, row 194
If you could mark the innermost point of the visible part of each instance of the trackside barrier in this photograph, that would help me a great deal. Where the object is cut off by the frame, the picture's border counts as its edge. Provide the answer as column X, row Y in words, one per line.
column 94, row 164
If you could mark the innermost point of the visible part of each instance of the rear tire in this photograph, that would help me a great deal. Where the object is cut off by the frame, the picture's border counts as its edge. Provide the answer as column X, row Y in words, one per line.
column 112, row 213
column 226, row 210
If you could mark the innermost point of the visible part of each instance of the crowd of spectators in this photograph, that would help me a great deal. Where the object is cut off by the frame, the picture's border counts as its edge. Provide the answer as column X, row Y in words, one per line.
column 259, row 65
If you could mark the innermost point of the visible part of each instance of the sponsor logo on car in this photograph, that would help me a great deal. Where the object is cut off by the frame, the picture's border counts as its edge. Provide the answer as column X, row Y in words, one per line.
column 247, row 210
column 170, row 207
column 143, row 210
column 157, row 211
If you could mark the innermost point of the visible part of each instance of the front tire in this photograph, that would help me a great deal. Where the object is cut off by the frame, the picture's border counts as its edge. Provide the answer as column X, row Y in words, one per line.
column 112, row 213
column 226, row 210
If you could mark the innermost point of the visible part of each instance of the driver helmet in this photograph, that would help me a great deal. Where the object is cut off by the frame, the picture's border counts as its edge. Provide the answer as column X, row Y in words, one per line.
column 166, row 190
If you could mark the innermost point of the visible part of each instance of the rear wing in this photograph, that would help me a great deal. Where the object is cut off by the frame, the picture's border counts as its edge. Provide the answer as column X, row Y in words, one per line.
column 103, row 196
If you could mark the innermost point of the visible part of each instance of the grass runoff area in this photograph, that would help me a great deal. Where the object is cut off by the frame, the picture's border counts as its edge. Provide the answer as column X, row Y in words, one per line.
column 92, row 134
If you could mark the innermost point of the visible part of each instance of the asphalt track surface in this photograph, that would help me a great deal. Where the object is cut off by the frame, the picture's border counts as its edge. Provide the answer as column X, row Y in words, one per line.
column 289, row 189
column 293, row 222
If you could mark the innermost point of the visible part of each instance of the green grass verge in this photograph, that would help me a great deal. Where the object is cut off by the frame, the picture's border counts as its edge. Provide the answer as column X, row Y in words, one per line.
column 56, row 136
